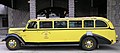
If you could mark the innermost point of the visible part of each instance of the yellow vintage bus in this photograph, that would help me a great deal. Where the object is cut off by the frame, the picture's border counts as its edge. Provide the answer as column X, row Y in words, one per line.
column 88, row 32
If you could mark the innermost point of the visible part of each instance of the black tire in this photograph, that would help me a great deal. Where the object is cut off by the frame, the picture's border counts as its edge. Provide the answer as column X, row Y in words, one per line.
column 91, row 45
column 16, row 45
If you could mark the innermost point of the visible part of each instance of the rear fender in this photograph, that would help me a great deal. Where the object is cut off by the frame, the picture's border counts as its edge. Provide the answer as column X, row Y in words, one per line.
column 98, row 38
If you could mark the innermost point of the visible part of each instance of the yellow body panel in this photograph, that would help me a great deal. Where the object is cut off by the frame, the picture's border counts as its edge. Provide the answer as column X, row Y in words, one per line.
column 63, row 34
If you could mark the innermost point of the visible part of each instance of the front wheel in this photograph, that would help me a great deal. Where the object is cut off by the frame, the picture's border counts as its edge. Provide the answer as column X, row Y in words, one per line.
column 89, row 43
column 12, row 43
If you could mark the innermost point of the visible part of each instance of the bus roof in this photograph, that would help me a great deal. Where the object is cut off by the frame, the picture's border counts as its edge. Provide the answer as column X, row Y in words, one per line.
column 76, row 18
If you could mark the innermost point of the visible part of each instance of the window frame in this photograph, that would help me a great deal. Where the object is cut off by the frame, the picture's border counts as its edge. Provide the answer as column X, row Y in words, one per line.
column 30, row 22
column 76, row 27
column 90, row 20
column 102, row 27
column 61, row 20
column 5, row 22
column 45, row 21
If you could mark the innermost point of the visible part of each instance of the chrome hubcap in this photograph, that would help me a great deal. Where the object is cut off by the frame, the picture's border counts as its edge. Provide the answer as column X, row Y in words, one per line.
column 12, row 43
column 89, row 43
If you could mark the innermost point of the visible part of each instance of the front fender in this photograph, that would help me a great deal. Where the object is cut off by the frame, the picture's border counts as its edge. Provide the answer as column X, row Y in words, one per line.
column 16, row 36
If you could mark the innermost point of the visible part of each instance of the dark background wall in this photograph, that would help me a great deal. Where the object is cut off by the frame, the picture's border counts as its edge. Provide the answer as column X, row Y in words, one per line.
column 82, row 8
column 41, row 4
column 113, row 13
column 90, row 8
column 18, row 15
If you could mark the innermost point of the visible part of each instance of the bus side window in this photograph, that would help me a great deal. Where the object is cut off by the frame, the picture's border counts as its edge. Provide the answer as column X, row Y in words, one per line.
column 60, row 24
column 45, row 24
column 88, row 23
column 100, row 23
column 75, row 24
column 32, row 25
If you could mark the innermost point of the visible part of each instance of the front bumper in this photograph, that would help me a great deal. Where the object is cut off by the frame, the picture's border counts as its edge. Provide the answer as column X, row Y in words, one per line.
column 3, row 40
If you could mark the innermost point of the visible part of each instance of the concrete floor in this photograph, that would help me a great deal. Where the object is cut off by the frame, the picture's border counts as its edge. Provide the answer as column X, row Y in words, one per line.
column 61, row 49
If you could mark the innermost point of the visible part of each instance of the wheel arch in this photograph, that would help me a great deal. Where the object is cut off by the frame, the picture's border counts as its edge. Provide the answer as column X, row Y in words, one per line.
column 85, row 35
column 15, row 36
column 99, row 39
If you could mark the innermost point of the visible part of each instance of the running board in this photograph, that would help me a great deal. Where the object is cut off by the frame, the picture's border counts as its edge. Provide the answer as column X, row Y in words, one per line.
column 53, row 45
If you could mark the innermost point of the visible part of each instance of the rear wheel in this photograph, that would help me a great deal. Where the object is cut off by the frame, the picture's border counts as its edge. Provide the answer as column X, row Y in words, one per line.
column 88, row 43
column 12, row 43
